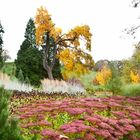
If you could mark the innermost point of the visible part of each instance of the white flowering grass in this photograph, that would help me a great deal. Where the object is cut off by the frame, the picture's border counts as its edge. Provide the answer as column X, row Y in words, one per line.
column 50, row 86
column 13, row 84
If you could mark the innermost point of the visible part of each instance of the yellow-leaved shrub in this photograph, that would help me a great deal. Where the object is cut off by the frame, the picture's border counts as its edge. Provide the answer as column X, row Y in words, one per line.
column 135, row 78
column 103, row 76
column 77, row 70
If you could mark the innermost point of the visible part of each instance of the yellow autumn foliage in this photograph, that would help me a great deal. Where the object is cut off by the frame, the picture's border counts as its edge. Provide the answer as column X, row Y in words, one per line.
column 44, row 24
column 81, row 31
column 55, row 33
column 66, row 46
column 67, row 57
column 78, row 69
column 71, row 67
column 134, row 77
column 103, row 76
column 67, row 74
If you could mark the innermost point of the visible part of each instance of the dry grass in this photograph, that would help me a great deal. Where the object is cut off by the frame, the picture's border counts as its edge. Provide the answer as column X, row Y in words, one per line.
column 13, row 84
column 4, row 77
column 50, row 86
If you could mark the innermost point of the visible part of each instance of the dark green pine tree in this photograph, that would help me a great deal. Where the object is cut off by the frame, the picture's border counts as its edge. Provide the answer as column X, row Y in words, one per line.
column 1, row 46
column 9, row 129
column 29, row 59
column 30, row 32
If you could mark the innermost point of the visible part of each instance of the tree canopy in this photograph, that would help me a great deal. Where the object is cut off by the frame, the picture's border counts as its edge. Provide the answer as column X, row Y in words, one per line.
column 64, row 46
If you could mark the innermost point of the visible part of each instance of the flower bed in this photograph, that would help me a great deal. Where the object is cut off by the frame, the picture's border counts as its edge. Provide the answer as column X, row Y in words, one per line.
column 111, row 118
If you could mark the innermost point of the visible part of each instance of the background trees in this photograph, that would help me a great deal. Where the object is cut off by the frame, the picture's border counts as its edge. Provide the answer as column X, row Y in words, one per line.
column 136, row 56
column 1, row 46
column 131, row 67
column 65, row 47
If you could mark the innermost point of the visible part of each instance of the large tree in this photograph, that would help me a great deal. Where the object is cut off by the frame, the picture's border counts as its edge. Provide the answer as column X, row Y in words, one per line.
column 65, row 47
column 29, row 58
column 1, row 46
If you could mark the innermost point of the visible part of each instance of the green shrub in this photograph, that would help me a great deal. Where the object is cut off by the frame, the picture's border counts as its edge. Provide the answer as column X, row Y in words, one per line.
column 131, row 90
column 114, row 84
column 95, row 89
column 9, row 129
column 20, row 76
column 9, row 68
column 27, row 81
column 87, row 79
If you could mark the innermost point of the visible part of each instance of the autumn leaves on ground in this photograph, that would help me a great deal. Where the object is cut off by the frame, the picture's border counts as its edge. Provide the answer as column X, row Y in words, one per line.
column 55, row 91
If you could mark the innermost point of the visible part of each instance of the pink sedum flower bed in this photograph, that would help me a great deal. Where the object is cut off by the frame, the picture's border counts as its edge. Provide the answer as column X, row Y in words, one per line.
column 111, row 118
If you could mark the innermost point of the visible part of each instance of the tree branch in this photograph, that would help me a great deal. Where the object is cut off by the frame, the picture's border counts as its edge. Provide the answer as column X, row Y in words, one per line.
column 79, row 50
column 66, row 39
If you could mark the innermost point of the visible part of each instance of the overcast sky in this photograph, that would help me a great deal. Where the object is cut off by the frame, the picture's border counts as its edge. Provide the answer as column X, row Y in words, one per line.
column 107, row 19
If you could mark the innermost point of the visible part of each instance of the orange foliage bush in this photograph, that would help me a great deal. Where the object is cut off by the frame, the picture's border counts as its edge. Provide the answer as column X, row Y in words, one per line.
column 135, row 78
column 103, row 76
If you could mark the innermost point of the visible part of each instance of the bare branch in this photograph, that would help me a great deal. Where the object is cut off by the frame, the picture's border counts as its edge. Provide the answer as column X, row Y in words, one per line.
column 67, row 39
column 60, row 37
column 135, row 3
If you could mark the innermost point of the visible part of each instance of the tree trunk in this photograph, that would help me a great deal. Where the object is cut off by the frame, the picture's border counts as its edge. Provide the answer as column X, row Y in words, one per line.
column 48, row 65
column 50, row 75
column 48, row 69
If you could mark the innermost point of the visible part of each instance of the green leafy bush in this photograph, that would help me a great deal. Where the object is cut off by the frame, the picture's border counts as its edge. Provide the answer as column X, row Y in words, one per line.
column 114, row 84
column 9, row 129
column 94, row 89
column 20, row 76
column 131, row 90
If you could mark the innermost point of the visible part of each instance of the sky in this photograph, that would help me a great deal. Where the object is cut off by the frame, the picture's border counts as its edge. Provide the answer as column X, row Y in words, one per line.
column 107, row 19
